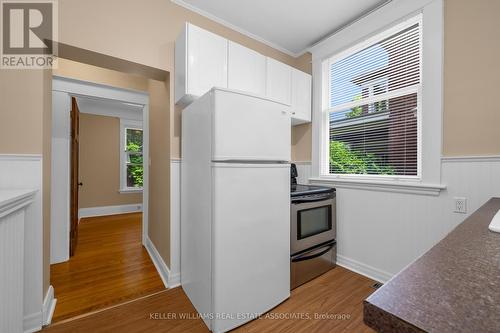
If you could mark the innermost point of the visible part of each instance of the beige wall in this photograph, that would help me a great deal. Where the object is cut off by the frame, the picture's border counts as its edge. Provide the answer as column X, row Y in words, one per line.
column 46, row 173
column 144, row 34
column 159, row 170
column 159, row 134
column 99, row 169
column 21, row 111
column 471, row 78
column 79, row 71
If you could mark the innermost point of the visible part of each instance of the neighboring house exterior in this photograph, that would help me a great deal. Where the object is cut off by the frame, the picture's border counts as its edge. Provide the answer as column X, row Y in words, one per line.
column 387, row 128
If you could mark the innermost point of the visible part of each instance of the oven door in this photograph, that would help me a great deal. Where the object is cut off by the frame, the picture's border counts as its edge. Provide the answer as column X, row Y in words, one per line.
column 313, row 223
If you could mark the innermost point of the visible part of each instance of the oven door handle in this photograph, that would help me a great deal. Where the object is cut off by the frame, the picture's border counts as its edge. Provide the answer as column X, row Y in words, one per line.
column 305, row 200
column 326, row 248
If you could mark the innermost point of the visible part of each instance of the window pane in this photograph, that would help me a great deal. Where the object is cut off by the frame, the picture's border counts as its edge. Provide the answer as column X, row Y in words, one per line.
column 134, row 175
column 376, row 139
column 388, row 65
column 134, row 140
column 134, row 158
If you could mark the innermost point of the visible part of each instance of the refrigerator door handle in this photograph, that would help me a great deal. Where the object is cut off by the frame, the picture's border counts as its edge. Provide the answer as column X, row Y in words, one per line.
column 322, row 250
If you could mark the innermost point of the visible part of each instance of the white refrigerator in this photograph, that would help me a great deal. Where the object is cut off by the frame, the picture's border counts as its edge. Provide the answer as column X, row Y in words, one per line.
column 235, row 206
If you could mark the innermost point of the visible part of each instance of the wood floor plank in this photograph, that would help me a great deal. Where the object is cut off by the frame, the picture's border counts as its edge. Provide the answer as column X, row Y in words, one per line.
column 332, row 302
column 110, row 266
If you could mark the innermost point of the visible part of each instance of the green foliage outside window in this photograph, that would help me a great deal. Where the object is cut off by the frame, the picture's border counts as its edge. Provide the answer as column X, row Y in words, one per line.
column 135, row 169
column 343, row 160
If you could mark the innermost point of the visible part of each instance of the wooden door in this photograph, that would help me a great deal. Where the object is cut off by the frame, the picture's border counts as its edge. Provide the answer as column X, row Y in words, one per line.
column 73, row 234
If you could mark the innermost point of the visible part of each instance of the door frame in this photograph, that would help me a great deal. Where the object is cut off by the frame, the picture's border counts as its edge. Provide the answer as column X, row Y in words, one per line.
column 63, row 89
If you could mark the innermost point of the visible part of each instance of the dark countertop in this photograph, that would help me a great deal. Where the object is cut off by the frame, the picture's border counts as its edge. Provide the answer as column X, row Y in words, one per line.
column 454, row 287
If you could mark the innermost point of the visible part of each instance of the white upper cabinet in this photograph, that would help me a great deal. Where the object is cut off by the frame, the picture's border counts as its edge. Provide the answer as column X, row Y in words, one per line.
column 204, row 60
column 200, row 63
column 246, row 69
column 279, row 81
column 301, row 97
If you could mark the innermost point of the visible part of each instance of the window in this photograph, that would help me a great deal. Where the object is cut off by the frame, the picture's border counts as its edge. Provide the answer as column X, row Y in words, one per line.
column 372, row 105
column 131, row 144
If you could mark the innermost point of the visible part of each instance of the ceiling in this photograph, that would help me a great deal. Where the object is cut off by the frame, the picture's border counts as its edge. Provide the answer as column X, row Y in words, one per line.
column 291, row 26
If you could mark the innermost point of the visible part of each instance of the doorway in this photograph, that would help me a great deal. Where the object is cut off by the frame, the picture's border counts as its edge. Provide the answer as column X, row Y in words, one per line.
column 98, row 248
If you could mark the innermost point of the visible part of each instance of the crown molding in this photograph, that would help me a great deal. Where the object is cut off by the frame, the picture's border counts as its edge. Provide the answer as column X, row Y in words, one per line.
column 237, row 29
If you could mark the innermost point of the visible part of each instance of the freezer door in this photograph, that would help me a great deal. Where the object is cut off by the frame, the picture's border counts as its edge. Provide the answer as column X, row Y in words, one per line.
column 251, row 241
column 249, row 128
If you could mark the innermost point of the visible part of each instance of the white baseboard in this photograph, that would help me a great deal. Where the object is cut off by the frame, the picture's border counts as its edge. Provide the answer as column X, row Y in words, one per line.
column 49, row 305
column 33, row 322
column 174, row 280
column 363, row 269
column 109, row 210
column 160, row 265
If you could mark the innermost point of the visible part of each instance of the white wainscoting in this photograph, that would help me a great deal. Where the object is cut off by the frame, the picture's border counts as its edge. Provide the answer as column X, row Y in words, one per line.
column 11, row 271
column 25, row 172
column 379, row 233
column 175, row 223
column 109, row 210
column 304, row 172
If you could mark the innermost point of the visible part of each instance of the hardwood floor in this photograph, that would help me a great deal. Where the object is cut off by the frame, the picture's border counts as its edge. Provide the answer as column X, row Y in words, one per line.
column 110, row 266
column 338, row 294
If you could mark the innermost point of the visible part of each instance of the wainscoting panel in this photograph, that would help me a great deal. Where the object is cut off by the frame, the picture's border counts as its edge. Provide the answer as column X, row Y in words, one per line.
column 379, row 233
column 11, row 272
column 25, row 172
column 175, row 223
column 304, row 172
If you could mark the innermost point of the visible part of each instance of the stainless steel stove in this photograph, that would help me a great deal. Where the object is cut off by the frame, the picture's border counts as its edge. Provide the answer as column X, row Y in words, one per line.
column 313, row 231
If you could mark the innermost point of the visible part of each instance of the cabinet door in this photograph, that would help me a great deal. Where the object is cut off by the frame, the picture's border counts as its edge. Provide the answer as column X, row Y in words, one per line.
column 246, row 69
column 301, row 97
column 206, row 61
column 278, row 81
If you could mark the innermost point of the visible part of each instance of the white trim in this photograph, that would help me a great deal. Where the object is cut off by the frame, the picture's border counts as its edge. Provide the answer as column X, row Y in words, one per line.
column 80, row 88
column 109, row 210
column 380, row 19
column 458, row 159
column 158, row 261
column 237, row 29
column 33, row 322
column 49, row 306
column 131, row 190
column 390, row 15
column 20, row 157
column 175, row 223
column 363, row 269
column 380, row 186
column 127, row 124
column 18, row 200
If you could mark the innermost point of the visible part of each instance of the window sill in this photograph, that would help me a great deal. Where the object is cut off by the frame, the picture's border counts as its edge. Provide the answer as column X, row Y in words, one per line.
column 130, row 190
column 381, row 186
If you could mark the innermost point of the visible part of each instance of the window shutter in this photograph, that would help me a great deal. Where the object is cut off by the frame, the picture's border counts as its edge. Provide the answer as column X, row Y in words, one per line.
column 373, row 105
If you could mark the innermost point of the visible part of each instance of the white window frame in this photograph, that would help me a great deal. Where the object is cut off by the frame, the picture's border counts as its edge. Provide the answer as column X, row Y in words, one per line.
column 124, row 125
column 326, row 108
column 387, row 19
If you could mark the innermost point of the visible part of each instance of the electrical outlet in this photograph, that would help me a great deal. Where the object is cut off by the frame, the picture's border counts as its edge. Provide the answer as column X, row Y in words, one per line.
column 460, row 205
